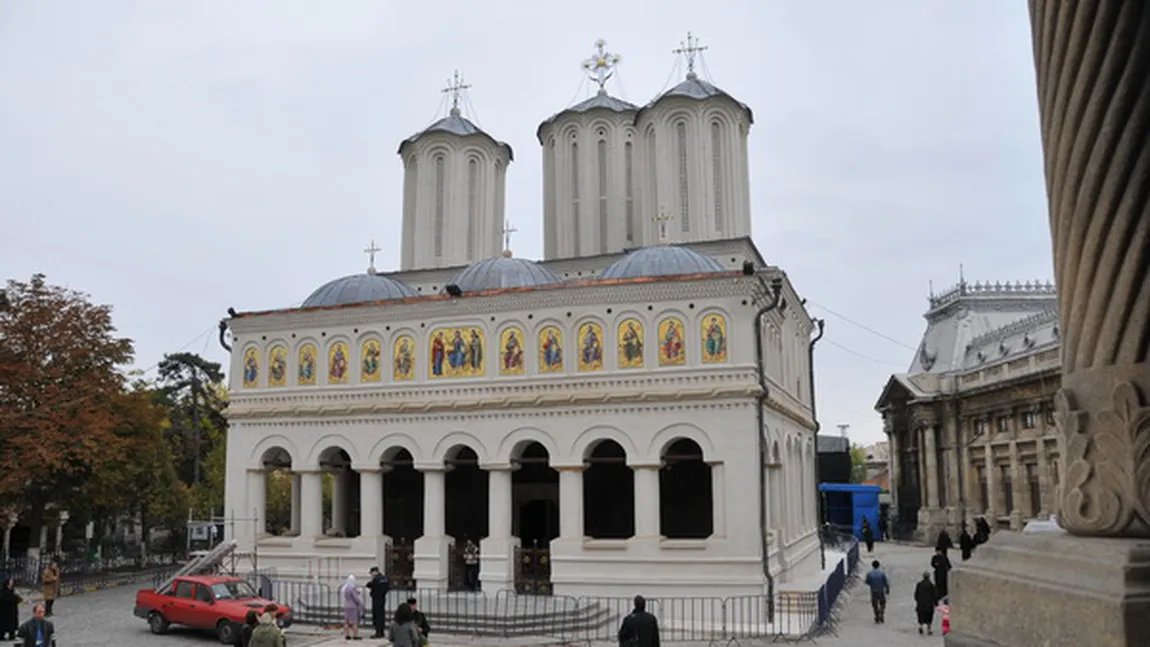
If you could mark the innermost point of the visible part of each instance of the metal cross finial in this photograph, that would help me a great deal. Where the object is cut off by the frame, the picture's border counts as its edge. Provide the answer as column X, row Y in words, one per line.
column 661, row 221
column 370, row 251
column 690, row 49
column 455, row 86
column 507, row 231
column 601, row 66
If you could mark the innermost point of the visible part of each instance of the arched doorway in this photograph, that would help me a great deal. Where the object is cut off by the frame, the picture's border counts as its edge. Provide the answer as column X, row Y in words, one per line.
column 402, row 514
column 466, row 491
column 686, row 502
column 535, row 520
column 340, row 494
column 281, row 494
column 608, row 493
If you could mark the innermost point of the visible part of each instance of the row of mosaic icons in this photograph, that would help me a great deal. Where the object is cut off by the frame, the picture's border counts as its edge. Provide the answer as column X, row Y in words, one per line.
column 461, row 352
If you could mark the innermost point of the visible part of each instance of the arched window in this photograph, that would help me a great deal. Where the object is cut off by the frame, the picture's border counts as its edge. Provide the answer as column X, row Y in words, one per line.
column 575, row 196
column 686, row 504
column 629, row 190
column 440, row 202
column 472, row 206
column 608, row 493
column 717, row 172
column 550, row 196
column 684, row 193
column 602, row 153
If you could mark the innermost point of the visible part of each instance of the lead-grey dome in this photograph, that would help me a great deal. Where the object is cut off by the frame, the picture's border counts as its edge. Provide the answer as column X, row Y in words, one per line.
column 664, row 260
column 695, row 88
column 358, row 288
column 456, row 124
column 504, row 272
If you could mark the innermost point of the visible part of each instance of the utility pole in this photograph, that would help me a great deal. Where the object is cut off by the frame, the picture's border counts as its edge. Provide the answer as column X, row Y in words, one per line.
column 843, row 430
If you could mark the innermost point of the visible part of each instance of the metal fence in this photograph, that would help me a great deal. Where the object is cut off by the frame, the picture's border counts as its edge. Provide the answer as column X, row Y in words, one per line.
column 844, row 571
column 78, row 574
column 571, row 619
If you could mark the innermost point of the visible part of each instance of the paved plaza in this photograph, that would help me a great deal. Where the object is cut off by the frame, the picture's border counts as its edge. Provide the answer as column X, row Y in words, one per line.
column 104, row 618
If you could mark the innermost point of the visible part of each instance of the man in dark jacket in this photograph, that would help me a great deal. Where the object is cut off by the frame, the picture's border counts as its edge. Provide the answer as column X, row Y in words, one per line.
column 378, row 586
column 640, row 629
column 420, row 621
column 37, row 632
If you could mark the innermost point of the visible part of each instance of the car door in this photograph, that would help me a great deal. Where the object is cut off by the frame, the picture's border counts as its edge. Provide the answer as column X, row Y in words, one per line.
column 200, row 612
column 180, row 601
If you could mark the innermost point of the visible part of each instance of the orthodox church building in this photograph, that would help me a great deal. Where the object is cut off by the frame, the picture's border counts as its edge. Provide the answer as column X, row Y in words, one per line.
column 632, row 412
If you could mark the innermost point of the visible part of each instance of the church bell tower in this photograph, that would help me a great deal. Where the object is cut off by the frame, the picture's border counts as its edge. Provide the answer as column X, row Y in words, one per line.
column 453, row 191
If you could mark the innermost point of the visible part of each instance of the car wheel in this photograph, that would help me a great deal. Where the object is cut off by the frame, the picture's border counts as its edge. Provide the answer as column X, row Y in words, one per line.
column 157, row 623
column 227, row 633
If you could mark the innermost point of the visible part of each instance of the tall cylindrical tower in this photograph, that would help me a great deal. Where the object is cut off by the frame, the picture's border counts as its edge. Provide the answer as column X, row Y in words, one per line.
column 453, row 192
column 590, row 190
column 694, row 147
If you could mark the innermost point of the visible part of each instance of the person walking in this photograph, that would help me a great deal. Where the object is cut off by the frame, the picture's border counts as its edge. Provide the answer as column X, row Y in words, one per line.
column 352, row 608
column 944, row 542
column 471, row 564
column 941, row 565
column 51, row 590
column 868, row 535
column 882, row 529
column 924, row 601
column 9, row 610
column 965, row 544
column 639, row 628
column 403, row 632
column 879, row 585
column 266, row 633
column 37, row 632
column 420, row 621
column 251, row 621
column 378, row 587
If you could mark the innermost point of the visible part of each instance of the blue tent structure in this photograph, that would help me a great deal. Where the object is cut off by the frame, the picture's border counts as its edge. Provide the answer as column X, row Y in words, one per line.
column 847, row 504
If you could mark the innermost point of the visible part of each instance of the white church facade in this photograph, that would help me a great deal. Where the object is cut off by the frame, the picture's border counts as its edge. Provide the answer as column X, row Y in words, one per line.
column 631, row 413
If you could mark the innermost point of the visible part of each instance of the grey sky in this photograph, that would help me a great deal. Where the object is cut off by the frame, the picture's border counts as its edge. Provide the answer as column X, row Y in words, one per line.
column 177, row 158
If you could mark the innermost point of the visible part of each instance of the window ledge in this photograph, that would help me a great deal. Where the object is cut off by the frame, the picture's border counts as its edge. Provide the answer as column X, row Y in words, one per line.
column 683, row 544
column 275, row 540
column 333, row 542
column 605, row 544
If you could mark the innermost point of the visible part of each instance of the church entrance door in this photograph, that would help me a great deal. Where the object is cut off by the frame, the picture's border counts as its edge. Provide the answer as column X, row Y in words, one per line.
column 402, row 514
column 535, row 497
column 465, row 513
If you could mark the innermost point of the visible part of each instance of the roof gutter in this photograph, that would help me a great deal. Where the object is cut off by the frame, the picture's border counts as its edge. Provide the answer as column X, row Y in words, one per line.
column 821, row 323
column 774, row 294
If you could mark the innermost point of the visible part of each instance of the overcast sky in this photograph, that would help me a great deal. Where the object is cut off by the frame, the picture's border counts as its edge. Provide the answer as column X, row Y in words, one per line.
column 176, row 158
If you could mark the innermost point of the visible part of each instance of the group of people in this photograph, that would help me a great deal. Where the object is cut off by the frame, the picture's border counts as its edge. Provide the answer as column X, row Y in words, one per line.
column 408, row 627
column 260, row 629
column 38, row 628
column 931, row 594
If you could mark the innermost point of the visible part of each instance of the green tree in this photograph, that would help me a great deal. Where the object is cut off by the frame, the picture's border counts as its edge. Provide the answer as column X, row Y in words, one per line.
column 192, row 388
column 858, row 464
column 59, row 384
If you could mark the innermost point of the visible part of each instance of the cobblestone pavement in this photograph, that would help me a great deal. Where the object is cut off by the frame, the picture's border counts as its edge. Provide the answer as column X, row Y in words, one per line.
column 104, row 618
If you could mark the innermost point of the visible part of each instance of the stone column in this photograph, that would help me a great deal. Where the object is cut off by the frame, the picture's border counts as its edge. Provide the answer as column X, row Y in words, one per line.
column 497, row 549
column 571, row 503
column 969, row 476
column 61, row 519
column 719, row 502
column 1088, row 586
column 339, row 500
column 992, row 508
column 1042, row 506
column 296, row 503
column 1018, row 488
column 431, row 550
column 930, row 448
column 371, row 501
column 893, row 449
column 257, row 502
column 311, row 505
column 646, row 502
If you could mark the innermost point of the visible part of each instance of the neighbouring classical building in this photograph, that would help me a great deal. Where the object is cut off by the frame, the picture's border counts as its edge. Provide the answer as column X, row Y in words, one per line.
column 970, row 424
column 595, row 420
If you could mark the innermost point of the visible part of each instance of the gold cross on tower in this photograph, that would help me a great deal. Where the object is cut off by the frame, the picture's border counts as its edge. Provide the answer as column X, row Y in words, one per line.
column 690, row 49
column 507, row 231
column 370, row 251
column 661, row 221
column 601, row 66
column 455, row 86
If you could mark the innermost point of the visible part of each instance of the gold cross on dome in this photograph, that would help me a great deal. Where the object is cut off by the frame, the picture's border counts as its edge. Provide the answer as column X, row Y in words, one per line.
column 370, row 251
column 661, row 221
column 601, row 66
column 455, row 86
column 690, row 49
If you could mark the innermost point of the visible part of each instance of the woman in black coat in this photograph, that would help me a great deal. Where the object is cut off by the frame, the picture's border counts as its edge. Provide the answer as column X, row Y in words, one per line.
column 9, row 610
column 941, row 565
column 924, row 601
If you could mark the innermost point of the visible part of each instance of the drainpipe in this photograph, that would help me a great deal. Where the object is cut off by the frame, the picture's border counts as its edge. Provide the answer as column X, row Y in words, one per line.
column 774, row 294
column 821, row 323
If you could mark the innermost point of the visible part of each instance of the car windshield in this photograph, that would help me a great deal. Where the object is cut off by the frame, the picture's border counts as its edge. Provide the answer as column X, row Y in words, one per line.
column 238, row 590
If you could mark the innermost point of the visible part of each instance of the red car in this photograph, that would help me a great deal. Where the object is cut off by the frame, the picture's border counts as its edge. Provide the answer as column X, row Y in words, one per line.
column 214, row 603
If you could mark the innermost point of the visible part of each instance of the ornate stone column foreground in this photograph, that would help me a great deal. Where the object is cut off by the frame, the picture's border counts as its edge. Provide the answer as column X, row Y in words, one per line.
column 1090, row 585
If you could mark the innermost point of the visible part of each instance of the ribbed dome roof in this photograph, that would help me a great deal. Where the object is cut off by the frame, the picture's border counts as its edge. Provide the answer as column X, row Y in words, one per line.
column 601, row 101
column 664, row 260
column 504, row 272
column 358, row 288
column 695, row 88
column 456, row 124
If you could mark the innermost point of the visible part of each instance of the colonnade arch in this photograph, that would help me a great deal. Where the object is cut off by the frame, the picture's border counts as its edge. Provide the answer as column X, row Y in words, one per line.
column 686, row 501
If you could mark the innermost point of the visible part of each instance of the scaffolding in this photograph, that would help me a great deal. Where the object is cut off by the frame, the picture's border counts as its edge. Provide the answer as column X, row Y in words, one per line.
column 212, row 525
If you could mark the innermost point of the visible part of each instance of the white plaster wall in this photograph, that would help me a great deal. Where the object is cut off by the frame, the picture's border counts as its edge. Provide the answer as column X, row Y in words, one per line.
column 418, row 250
column 657, row 133
column 568, row 236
